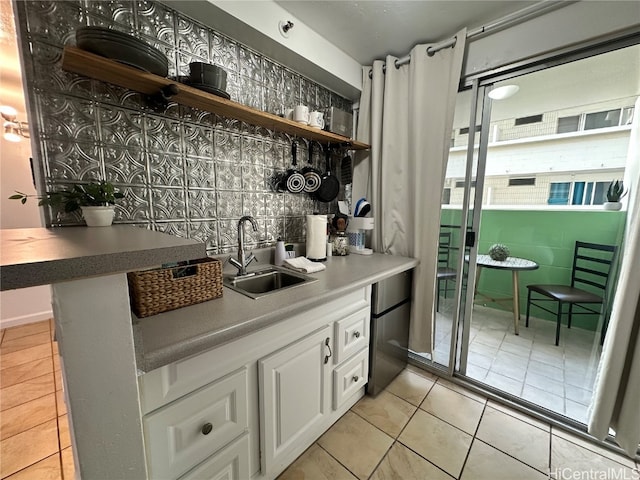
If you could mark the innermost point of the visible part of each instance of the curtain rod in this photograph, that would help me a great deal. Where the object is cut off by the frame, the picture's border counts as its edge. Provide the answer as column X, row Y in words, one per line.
column 514, row 18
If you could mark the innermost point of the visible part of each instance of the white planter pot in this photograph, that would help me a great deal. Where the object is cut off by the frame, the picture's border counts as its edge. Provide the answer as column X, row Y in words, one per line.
column 615, row 206
column 98, row 216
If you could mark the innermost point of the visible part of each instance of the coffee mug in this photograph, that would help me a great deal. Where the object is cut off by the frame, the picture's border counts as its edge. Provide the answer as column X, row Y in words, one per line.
column 316, row 119
column 301, row 114
column 288, row 113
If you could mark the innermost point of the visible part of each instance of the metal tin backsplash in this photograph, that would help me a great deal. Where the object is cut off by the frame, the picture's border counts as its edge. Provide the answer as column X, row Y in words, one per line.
column 183, row 171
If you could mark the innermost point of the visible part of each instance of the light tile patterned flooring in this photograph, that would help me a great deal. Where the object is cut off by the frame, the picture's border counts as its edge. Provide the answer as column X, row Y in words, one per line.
column 34, row 431
column 420, row 427
column 423, row 427
column 529, row 365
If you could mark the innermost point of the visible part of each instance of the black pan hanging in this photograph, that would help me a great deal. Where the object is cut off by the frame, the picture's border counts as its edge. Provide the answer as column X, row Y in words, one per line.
column 330, row 185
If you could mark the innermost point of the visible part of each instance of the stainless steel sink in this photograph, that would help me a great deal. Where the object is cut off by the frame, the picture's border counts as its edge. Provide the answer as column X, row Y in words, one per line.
column 266, row 281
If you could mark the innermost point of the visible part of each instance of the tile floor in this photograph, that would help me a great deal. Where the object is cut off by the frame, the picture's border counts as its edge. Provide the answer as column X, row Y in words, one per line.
column 34, row 431
column 529, row 365
column 420, row 427
column 425, row 428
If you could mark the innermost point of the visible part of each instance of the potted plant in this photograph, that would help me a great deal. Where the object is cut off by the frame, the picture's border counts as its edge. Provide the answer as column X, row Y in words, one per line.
column 94, row 200
column 614, row 193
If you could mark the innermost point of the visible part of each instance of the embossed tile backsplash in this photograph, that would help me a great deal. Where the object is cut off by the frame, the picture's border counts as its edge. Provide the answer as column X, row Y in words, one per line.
column 183, row 171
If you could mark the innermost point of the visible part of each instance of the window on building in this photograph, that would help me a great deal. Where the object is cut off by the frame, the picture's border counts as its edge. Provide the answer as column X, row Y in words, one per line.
column 568, row 124
column 600, row 193
column 465, row 130
column 517, row 182
column 529, row 119
column 460, row 184
column 580, row 193
column 627, row 116
column 446, row 196
column 559, row 193
column 609, row 118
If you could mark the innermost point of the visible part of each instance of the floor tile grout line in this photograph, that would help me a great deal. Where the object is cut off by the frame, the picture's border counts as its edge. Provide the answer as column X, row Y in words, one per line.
column 473, row 438
column 511, row 456
column 382, row 459
column 396, row 439
column 326, row 451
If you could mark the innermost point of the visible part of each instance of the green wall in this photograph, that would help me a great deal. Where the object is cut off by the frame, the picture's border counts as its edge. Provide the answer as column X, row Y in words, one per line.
column 545, row 236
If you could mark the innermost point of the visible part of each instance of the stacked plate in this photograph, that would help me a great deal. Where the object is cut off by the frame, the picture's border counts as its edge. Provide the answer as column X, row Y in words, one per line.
column 122, row 48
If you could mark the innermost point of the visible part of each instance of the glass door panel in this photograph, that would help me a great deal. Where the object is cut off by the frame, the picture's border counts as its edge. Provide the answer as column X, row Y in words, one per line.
column 551, row 151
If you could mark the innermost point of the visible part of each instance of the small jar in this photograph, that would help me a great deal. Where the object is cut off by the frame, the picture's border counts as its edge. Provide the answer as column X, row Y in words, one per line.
column 340, row 244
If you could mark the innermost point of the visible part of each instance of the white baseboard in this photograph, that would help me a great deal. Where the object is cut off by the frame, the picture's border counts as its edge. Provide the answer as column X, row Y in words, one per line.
column 24, row 319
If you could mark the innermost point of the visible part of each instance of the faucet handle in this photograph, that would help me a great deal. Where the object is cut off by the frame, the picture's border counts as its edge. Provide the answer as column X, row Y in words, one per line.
column 250, row 259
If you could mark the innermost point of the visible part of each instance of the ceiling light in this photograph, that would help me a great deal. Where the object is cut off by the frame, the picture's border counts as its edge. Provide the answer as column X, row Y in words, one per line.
column 11, row 132
column 13, row 129
column 503, row 92
column 8, row 111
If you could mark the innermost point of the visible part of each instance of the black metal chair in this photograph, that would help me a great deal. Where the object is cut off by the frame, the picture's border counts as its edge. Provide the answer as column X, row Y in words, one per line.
column 592, row 264
column 445, row 272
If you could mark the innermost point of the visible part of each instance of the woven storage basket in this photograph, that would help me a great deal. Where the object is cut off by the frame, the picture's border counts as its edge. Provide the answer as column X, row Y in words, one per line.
column 163, row 289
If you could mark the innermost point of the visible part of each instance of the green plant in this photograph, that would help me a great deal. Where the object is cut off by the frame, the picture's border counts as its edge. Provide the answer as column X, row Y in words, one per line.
column 616, row 191
column 499, row 252
column 71, row 198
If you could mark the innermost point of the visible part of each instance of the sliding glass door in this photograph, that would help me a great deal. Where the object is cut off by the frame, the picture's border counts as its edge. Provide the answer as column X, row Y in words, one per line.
column 532, row 156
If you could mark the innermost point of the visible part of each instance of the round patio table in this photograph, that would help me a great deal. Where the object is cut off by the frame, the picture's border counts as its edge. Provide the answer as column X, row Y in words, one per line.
column 515, row 265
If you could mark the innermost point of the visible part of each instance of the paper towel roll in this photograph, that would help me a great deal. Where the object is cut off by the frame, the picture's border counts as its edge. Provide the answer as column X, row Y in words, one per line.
column 316, row 237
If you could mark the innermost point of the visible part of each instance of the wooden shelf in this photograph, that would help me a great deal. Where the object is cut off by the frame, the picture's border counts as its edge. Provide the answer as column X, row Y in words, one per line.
column 94, row 66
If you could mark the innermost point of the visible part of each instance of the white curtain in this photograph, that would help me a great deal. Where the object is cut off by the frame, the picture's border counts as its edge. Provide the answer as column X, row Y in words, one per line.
column 616, row 400
column 406, row 115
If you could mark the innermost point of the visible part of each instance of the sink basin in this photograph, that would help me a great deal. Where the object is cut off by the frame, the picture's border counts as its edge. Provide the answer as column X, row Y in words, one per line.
column 266, row 281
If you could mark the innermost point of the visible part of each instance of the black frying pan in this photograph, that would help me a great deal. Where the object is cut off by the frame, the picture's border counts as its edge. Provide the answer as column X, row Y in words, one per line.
column 312, row 176
column 330, row 185
column 293, row 181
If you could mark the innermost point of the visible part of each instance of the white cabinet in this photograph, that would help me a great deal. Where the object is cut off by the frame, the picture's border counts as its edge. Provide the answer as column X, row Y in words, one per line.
column 187, row 431
column 295, row 393
column 267, row 395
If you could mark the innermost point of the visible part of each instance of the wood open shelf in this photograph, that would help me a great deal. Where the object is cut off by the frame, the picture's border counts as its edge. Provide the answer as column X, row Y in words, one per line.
column 94, row 66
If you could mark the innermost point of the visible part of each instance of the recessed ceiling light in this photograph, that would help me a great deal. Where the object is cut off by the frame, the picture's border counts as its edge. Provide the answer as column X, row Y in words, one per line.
column 503, row 92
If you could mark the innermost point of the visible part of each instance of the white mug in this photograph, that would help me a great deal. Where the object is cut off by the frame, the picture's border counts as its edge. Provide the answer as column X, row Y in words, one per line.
column 288, row 113
column 301, row 114
column 316, row 119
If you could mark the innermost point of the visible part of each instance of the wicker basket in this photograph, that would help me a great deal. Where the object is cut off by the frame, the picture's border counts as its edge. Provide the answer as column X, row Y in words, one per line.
column 163, row 289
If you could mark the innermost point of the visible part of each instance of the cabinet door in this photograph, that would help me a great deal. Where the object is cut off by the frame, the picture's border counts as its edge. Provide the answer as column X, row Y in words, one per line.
column 295, row 394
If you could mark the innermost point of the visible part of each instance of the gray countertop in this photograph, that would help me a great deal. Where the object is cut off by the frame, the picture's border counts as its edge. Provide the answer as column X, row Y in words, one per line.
column 171, row 336
column 41, row 256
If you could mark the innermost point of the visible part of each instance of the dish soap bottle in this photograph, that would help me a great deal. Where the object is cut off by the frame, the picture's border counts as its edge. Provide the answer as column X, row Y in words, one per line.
column 280, row 254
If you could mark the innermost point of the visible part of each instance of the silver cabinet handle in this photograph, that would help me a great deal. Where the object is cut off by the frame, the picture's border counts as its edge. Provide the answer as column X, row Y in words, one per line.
column 356, row 334
column 326, row 357
column 356, row 378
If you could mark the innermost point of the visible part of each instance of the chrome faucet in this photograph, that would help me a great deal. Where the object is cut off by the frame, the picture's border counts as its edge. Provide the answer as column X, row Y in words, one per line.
column 242, row 261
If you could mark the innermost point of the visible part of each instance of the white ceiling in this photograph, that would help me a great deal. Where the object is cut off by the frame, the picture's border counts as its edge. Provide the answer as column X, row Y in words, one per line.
column 371, row 29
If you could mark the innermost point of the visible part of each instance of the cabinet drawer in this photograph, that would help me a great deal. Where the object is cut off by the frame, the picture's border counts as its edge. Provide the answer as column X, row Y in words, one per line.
column 350, row 377
column 187, row 431
column 352, row 334
column 231, row 463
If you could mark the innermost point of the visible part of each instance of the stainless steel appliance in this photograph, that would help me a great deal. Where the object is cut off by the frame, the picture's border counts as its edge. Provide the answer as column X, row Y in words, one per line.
column 340, row 122
column 390, row 312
